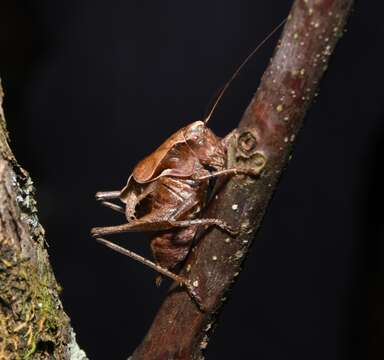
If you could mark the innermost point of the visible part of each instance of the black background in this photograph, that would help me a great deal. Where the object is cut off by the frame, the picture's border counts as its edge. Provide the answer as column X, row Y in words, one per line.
column 93, row 85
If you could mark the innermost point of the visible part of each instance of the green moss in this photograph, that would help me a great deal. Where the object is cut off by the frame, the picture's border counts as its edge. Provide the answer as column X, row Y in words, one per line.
column 30, row 314
column 32, row 322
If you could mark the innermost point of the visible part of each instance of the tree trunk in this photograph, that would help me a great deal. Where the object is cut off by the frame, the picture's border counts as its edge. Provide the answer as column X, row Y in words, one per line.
column 33, row 324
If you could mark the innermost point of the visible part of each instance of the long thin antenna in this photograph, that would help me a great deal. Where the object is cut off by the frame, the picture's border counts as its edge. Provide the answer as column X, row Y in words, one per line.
column 225, row 87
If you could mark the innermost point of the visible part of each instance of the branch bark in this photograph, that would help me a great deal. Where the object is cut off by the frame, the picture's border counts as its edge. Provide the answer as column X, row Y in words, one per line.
column 33, row 324
column 268, row 129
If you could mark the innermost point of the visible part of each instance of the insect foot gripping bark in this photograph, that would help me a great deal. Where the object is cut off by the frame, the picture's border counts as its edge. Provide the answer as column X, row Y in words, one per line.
column 166, row 194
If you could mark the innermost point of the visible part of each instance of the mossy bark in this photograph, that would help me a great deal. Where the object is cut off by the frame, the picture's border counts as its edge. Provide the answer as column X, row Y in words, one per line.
column 33, row 324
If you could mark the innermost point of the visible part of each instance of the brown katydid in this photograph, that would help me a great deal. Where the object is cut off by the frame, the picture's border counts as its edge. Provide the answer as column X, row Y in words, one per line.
column 168, row 190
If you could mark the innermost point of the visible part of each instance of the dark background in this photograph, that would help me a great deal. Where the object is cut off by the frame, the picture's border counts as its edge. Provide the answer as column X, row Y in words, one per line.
column 93, row 85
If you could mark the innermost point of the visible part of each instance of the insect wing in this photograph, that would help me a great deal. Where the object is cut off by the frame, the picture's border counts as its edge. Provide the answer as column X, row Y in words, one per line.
column 173, row 158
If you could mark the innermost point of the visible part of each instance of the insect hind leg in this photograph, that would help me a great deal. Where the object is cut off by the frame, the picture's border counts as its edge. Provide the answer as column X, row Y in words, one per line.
column 162, row 271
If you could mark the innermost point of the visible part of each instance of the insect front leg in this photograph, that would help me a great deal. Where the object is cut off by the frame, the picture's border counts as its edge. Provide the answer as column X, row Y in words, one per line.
column 109, row 195
column 132, row 201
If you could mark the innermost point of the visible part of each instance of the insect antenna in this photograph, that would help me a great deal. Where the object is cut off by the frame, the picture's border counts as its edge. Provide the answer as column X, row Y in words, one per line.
column 226, row 86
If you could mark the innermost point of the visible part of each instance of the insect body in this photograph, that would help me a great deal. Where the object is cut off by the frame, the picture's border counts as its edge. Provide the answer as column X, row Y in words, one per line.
column 168, row 190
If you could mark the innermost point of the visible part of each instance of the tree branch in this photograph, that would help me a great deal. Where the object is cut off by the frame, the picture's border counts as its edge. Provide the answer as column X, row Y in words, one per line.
column 33, row 324
column 266, row 131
